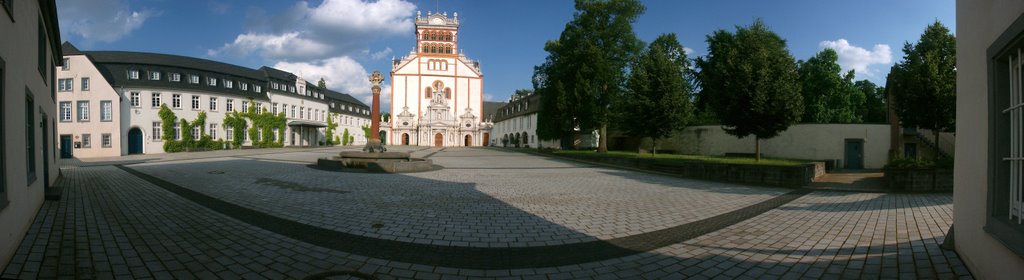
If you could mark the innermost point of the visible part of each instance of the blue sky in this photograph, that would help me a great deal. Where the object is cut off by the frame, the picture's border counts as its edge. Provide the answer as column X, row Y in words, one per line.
column 344, row 40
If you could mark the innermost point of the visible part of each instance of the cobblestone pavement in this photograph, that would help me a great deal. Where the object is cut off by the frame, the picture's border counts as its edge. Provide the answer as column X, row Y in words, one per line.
column 114, row 224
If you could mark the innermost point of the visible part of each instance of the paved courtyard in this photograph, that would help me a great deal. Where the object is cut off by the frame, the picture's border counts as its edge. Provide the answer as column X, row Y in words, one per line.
column 488, row 213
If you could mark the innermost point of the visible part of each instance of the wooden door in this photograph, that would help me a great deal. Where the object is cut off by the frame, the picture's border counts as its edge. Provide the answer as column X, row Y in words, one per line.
column 438, row 140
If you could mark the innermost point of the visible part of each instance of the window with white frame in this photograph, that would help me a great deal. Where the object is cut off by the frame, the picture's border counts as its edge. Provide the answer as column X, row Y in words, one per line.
column 154, row 75
column 66, row 65
column 274, row 85
column 1005, row 219
column 195, row 102
column 193, row 79
column 213, row 104
column 229, row 133
column 85, row 83
column 65, row 111
column 133, row 74
column 176, row 101
column 243, row 86
column 65, row 85
column 257, row 88
column 174, row 77
column 135, row 96
column 157, row 131
column 302, row 111
column 177, row 131
column 230, row 105
column 155, row 100
column 229, row 83
column 213, row 131
column 245, row 106
column 106, row 111
column 210, row 81
column 273, row 108
column 196, row 132
column 86, row 140
column 293, row 112
column 83, row 111
column 105, row 140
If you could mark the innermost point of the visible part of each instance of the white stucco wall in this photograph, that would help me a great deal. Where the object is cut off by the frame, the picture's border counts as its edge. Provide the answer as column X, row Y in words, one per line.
column 19, row 55
column 979, row 23
column 801, row 141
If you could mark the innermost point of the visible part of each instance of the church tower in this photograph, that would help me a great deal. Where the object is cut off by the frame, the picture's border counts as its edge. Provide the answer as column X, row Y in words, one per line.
column 437, row 92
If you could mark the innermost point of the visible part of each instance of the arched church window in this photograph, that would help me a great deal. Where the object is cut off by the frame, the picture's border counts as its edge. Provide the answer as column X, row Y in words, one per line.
column 448, row 93
column 425, row 48
column 433, row 49
column 448, row 49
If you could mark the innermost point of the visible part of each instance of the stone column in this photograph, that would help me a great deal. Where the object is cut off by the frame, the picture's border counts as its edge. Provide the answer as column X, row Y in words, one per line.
column 375, row 79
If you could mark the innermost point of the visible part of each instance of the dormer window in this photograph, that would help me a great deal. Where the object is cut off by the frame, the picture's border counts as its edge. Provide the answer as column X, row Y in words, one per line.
column 229, row 83
column 274, row 85
column 133, row 74
column 174, row 77
column 243, row 86
column 154, row 76
column 193, row 79
column 211, row 81
column 257, row 88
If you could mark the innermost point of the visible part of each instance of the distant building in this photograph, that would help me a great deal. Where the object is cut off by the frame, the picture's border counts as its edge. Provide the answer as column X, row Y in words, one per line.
column 437, row 92
column 28, row 55
column 988, row 195
column 515, row 125
column 108, row 102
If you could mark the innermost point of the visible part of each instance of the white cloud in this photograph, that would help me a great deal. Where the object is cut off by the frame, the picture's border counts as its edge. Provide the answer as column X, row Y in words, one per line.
column 688, row 51
column 100, row 20
column 381, row 54
column 859, row 59
column 334, row 28
column 284, row 46
column 341, row 74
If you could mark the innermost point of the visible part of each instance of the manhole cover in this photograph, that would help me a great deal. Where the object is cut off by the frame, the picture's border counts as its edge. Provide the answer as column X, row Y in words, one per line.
column 216, row 172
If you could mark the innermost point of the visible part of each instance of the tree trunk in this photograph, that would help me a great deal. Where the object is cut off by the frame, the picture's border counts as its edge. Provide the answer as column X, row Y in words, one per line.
column 654, row 146
column 757, row 149
column 602, row 141
column 938, row 151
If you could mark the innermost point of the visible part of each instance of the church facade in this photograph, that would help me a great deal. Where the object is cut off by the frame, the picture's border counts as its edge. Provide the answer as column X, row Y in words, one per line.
column 437, row 92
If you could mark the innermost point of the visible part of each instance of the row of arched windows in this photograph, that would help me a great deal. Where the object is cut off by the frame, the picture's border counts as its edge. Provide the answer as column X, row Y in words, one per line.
column 437, row 48
column 429, row 93
column 438, row 36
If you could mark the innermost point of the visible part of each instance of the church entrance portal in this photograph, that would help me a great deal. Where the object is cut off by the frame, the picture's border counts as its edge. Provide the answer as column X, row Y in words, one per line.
column 438, row 140
column 405, row 139
column 469, row 140
column 487, row 137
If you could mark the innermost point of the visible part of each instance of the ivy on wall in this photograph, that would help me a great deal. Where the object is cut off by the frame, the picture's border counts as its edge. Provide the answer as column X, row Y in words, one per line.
column 263, row 124
column 331, row 126
column 187, row 142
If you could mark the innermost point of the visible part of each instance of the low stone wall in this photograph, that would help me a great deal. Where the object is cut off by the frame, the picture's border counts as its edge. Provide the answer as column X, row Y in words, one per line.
column 919, row 180
column 765, row 175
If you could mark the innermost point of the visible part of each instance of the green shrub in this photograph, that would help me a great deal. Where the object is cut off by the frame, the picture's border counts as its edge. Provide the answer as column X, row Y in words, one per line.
column 909, row 163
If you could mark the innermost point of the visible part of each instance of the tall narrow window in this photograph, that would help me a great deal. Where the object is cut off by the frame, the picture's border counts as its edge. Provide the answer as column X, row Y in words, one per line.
column 273, row 108
column 65, row 111
column 105, row 140
column 83, row 111
column 176, row 101
column 156, row 100
column 211, row 82
column 135, row 99
column 195, row 102
column 177, row 131
column 85, row 83
column 229, row 133
column 230, row 105
column 66, row 65
column 86, row 140
column 196, row 132
column 106, row 111
column 229, row 83
column 157, row 131
column 245, row 106
column 213, row 131
column 213, row 104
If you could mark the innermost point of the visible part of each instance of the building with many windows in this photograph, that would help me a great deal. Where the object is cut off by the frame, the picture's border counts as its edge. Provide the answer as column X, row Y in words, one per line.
column 988, row 195
column 28, row 55
column 109, row 101
column 515, row 125
column 437, row 92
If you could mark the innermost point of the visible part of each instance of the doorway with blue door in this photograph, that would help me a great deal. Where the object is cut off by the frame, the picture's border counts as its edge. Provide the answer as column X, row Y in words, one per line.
column 134, row 141
column 854, row 154
column 66, row 146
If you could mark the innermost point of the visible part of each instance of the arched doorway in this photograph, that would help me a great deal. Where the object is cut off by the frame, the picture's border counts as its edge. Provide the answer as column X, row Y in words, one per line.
column 438, row 140
column 383, row 137
column 487, row 139
column 405, row 139
column 135, row 141
column 469, row 140
column 526, row 139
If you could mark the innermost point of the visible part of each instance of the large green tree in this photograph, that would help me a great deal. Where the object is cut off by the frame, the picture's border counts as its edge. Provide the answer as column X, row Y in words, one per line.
column 657, row 99
column 829, row 95
column 874, row 109
column 751, row 80
column 923, row 85
column 321, row 84
column 585, row 68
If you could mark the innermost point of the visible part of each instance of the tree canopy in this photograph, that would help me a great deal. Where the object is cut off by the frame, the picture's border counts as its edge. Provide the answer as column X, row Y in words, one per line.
column 924, row 84
column 585, row 68
column 321, row 84
column 751, row 81
column 874, row 109
column 829, row 95
column 657, row 99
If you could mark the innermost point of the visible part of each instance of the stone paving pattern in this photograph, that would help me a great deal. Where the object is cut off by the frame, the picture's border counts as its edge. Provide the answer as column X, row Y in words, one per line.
column 111, row 224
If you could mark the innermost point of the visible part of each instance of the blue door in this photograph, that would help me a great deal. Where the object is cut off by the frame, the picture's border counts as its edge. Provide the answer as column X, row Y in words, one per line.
column 854, row 154
column 66, row 146
column 135, row 141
